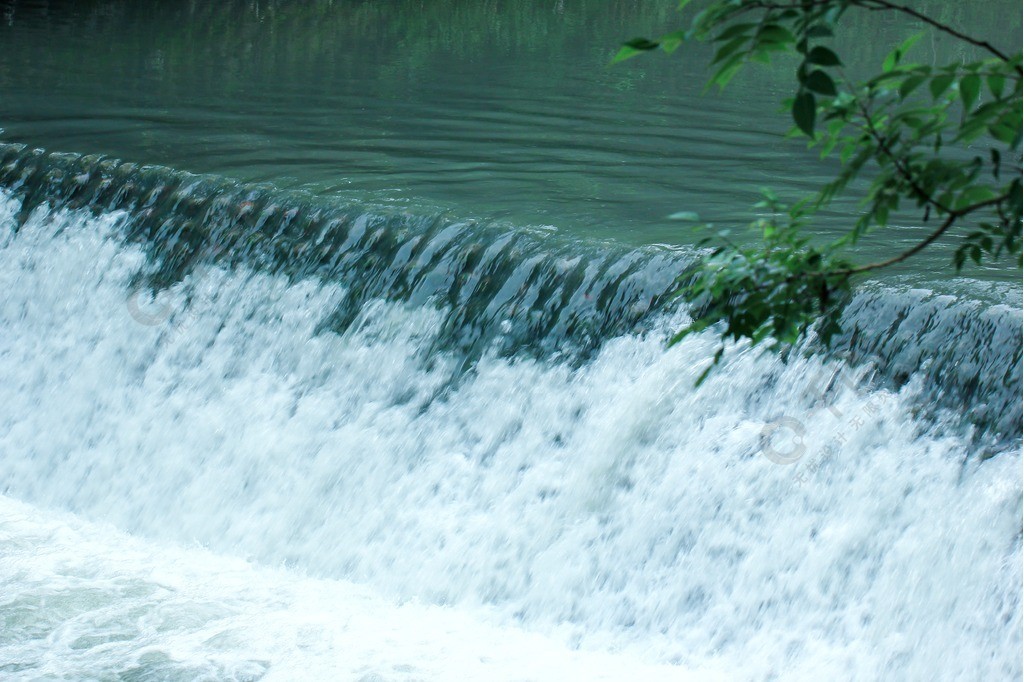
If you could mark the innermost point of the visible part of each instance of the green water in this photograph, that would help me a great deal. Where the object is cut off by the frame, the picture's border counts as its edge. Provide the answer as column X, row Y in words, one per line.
column 496, row 110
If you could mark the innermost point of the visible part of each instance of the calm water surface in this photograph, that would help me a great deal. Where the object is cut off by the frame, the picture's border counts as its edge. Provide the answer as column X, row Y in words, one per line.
column 495, row 110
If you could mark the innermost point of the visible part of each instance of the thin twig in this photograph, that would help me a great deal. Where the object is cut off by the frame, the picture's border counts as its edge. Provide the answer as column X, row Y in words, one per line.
column 880, row 5
column 948, row 223
column 945, row 28
column 908, row 176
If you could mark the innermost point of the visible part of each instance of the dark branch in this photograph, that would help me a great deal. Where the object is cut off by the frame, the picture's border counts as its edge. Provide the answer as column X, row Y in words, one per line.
column 920, row 246
column 945, row 28
column 876, row 5
column 901, row 168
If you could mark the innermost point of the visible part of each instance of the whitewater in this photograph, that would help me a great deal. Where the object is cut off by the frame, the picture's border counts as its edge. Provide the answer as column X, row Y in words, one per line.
column 408, row 450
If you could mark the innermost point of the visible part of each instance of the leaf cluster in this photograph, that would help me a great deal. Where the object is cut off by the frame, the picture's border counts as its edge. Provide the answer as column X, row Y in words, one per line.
column 772, row 290
column 944, row 140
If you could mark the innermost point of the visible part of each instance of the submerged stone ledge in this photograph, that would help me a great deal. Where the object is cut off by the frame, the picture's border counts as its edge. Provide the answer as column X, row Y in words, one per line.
column 505, row 290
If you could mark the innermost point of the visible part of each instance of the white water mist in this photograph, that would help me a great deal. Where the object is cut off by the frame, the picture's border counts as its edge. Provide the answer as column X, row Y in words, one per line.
column 611, row 507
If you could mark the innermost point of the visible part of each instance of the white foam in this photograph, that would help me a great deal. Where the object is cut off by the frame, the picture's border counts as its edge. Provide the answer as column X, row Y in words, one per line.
column 85, row 601
column 612, row 507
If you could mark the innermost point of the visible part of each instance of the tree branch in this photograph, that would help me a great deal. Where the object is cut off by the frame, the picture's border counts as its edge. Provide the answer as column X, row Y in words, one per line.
column 920, row 246
column 901, row 168
column 846, row 273
column 877, row 5
column 945, row 28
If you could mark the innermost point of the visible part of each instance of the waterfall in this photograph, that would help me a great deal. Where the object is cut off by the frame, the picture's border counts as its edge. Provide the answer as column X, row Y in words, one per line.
column 224, row 403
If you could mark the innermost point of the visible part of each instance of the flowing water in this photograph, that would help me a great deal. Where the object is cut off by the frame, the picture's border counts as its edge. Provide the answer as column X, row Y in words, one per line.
column 396, row 404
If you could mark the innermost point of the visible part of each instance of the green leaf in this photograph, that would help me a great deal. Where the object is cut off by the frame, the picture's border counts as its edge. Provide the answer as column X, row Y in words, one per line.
column 959, row 257
column 894, row 57
column 729, row 49
column 632, row 48
column 641, row 44
column 804, row 110
column 910, row 42
column 819, row 31
column 670, row 44
column 823, row 57
column 734, row 31
column 774, row 33
column 940, row 84
column 726, row 71
column 625, row 52
column 707, row 370
column 996, row 83
column 974, row 195
column 891, row 60
column 910, row 84
column 1004, row 133
column 970, row 86
column 820, row 82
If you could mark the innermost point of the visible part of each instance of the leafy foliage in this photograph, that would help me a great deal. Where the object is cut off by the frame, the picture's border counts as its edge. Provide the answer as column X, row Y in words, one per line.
column 945, row 140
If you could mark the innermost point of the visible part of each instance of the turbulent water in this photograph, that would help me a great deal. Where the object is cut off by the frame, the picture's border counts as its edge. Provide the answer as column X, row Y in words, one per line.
column 250, row 434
